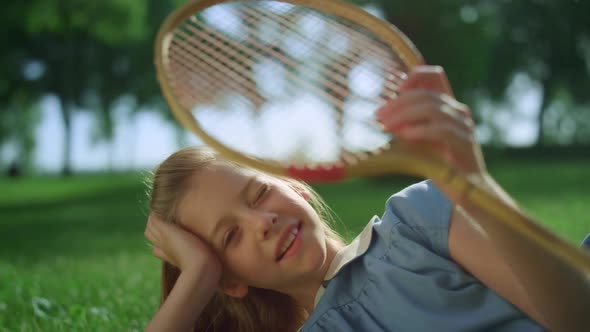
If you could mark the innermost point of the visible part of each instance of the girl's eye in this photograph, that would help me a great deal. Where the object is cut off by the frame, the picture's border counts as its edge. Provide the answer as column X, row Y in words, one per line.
column 262, row 191
column 230, row 236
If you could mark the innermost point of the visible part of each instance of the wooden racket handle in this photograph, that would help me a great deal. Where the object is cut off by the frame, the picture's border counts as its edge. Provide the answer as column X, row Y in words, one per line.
column 522, row 226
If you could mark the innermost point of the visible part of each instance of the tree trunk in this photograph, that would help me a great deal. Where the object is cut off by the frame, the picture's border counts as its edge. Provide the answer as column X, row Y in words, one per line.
column 14, row 170
column 66, row 114
column 66, row 65
column 545, row 100
column 110, row 131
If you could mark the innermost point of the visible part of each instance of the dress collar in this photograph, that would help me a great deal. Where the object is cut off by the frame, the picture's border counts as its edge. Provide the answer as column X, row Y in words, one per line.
column 356, row 248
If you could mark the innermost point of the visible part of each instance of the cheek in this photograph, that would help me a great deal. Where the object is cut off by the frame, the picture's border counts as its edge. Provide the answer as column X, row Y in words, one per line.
column 243, row 264
column 316, row 246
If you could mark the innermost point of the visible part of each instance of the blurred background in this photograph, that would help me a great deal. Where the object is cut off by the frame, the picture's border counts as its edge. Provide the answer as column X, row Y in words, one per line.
column 82, row 123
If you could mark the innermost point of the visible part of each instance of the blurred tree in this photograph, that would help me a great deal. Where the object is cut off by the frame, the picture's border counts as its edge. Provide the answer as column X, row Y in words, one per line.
column 123, row 73
column 457, row 35
column 453, row 34
column 17, row 122
column 548, row 40
column 88, row 54
column 484, row 44
column 19, row 74
column 66, row 34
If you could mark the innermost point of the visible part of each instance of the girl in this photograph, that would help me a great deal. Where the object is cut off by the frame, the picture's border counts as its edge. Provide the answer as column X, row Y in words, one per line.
column 246, row 251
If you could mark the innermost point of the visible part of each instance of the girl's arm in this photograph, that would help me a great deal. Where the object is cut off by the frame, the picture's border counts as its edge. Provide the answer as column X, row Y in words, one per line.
column 426, row 114
column 188, row 298
column 194, row 288
column 519, row 270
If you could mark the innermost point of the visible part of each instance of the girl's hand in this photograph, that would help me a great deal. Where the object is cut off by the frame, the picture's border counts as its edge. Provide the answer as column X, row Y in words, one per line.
column 199, row 278
column 180, row 248
column 425, row 112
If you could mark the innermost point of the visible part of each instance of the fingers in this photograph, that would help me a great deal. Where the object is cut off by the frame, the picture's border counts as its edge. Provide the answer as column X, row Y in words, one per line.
column 432, row 78
column 153, row 235
column 425, row 114
column 395, row 120
column 420, row 107
column 456, row 139
column 417, row 96
column 431, row 131
column 159, row 253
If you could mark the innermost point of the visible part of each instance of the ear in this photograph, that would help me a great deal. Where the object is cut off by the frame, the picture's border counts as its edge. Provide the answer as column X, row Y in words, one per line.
column 302, row 191
column 234, row 289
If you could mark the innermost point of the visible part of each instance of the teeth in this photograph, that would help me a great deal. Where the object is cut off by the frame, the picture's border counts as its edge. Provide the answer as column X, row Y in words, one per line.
column 289, row 241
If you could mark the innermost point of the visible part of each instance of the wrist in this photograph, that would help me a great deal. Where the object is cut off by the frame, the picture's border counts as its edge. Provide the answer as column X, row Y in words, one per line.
column 200, row 282
column 206, row 272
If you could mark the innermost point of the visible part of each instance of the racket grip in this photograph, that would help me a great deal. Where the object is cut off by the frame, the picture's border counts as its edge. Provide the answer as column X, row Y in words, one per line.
column 522, row 225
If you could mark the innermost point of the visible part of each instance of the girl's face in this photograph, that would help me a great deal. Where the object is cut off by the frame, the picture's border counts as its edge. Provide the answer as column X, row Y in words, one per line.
column 265, row 232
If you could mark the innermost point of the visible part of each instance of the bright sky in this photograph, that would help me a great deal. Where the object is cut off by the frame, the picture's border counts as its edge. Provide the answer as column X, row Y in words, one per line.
column 145, row 138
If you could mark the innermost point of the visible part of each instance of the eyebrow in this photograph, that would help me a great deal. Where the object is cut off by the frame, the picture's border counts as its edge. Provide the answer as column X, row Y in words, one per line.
column 223, row 220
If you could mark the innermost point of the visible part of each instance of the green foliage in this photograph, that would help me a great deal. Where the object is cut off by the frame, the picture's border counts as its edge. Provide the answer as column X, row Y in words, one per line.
column 483, row 44
column 17, row 95
column 102, row 49
column 547, row 40
column 108, row 21
column 461, row 46
column 18, row 124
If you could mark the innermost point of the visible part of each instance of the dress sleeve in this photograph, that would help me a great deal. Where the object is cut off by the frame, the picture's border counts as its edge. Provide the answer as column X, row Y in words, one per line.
column 425, row 211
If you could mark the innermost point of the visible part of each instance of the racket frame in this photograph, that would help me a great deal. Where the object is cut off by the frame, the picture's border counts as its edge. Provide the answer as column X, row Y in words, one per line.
column 399, row 159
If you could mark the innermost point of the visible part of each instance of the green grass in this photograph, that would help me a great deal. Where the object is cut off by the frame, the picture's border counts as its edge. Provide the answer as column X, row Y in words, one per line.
column 73, row 256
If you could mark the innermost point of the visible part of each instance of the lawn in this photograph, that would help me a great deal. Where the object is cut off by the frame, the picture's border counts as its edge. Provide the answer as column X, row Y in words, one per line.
column 73, row 257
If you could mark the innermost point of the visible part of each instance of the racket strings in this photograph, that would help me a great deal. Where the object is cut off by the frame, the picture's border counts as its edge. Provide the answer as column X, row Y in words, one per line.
column 334, row 60
column 191, row 92
column 197, row 51
column 256, row 50
column 222, row 58
column 194, row 89
column 289, row 21
column 188, row 98
column 362, row 43
column 337, row 86
column 183, row 81
column 189, row 95
column 253, row 16
column 207, row 64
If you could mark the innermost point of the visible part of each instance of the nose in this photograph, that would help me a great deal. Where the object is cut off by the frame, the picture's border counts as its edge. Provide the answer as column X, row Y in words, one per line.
column 260, row 222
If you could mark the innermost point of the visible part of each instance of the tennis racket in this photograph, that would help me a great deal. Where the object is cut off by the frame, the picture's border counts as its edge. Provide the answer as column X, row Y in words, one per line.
column 291, row 87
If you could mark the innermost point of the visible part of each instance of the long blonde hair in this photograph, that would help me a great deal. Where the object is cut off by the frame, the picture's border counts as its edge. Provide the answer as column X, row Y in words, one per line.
column 261, row 310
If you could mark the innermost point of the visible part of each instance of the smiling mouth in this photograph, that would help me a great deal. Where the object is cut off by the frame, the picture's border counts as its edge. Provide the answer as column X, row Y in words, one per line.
column 289, row 241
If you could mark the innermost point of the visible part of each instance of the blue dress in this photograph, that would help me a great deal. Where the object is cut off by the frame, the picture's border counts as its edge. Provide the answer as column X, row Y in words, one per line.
column 397, row 275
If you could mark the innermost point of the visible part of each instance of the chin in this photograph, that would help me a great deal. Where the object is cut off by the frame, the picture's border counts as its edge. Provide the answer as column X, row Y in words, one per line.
column 316, row 258
column 315, row 251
